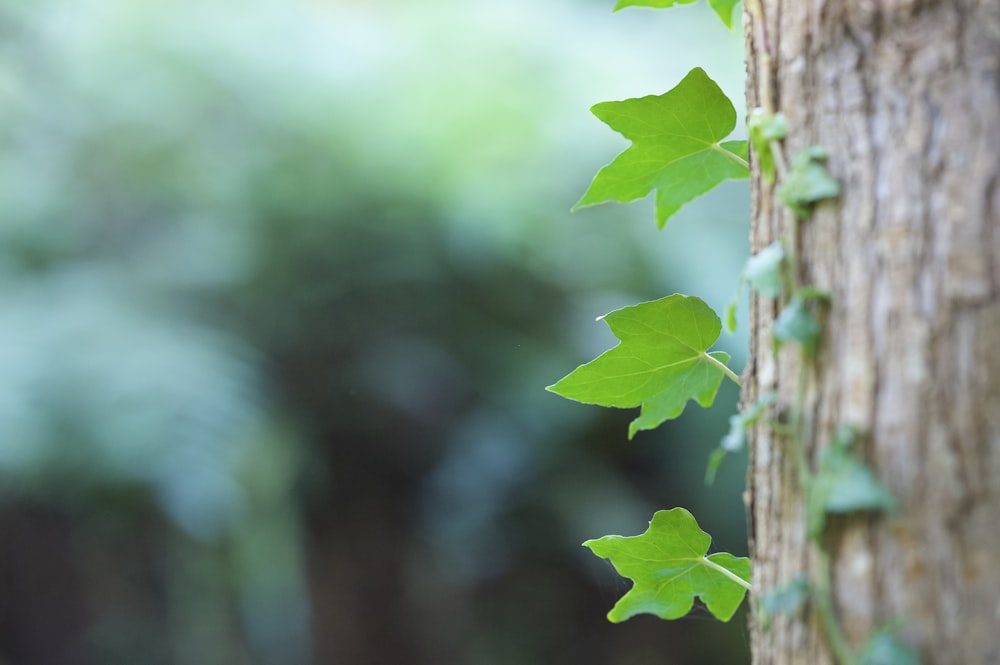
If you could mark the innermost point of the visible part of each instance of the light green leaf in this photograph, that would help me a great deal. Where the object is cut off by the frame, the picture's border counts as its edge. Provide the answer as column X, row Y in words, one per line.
column 764, row 270
column 715, row 460
column 763, row 129
column 676, row 147
column 783, row 600
column 660, row 364
column 731, row 309
column 736, row 440
column 796, row 323
column 669, row 568
column 807, row 182
column 765, row 273
column 724, row 8
column 700, row 383
column 844, row 484
column 884, row 648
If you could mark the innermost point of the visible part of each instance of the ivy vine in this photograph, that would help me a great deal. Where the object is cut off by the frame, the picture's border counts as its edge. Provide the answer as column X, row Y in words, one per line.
column 680, row 150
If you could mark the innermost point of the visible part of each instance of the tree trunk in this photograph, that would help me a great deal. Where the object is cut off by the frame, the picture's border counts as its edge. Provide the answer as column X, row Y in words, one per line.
column 905, row 95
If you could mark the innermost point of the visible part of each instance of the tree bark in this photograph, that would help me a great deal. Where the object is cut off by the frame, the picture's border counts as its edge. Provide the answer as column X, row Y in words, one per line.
column 905, row 95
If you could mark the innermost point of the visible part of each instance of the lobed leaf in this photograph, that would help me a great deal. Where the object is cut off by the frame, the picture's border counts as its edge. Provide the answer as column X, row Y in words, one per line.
column 669, row 568
column 676, row 146
column 783, row 600
column 843, row 484
column 661, row 362
column 796, row 323
column 764, row 270
column 736, row 439
column 807, row 182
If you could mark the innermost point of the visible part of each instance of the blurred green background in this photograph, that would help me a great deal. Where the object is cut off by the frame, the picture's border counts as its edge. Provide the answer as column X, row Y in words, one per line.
column 281, row 285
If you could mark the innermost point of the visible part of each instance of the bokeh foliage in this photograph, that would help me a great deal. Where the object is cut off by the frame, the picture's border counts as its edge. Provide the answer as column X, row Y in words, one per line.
column 280, row 286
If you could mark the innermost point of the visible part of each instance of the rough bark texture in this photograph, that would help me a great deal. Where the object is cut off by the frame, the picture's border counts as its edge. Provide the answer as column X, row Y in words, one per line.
column 905, row 94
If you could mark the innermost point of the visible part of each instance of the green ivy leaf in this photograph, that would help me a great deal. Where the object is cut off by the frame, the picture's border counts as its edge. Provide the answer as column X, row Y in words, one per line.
column 660, row 364
column 844, row 484
column 669, row 568
column 765, row 128
column 764, row 270
column 783, row 600
column 715, row 460
column 807, row 182
column 765, row 273
column 676, row 147
column 736, row 440
column 884, row 648
column 724, row 8
column 731, row 310
column 796, row 323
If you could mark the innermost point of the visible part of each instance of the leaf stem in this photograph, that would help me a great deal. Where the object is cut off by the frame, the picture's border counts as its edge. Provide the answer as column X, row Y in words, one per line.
column 828, row 615
column 731, row 155
column 725, row 368
column 728, row 573
column 798, row 429
column 779, row 159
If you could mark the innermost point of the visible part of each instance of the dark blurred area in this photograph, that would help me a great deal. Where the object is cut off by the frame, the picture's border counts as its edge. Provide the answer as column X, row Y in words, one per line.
column 281, row 285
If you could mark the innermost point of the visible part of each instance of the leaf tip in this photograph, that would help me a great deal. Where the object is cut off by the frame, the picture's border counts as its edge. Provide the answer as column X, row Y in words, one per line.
column 582, row 203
